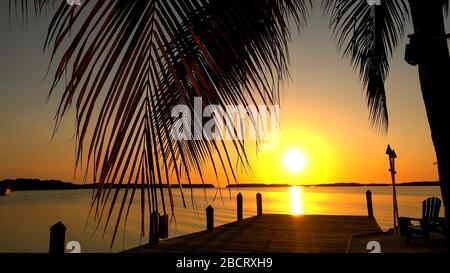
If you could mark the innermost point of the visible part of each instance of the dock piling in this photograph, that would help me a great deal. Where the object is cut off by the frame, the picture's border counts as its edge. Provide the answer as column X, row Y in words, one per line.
column 209, row 218
column 57, row 238
column 239, row 207
column 259, row 204
column 164, row 226
column 154, row 228
column 369, row 204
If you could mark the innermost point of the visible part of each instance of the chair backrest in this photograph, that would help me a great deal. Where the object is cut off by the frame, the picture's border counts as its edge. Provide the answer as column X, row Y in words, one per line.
column 430, row 212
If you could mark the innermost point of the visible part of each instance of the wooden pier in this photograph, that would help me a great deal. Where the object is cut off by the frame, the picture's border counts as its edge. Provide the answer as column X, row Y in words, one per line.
column 271, row 233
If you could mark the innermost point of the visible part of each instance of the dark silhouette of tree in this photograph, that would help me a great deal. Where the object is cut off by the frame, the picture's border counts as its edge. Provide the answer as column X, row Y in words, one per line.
column 136, row 59
column 370, row 34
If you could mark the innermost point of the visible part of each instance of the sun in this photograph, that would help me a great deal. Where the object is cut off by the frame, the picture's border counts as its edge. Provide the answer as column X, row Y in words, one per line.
column 295, row 161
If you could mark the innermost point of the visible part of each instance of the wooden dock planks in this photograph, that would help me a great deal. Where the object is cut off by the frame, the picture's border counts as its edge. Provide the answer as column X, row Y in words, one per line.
column 272, row 234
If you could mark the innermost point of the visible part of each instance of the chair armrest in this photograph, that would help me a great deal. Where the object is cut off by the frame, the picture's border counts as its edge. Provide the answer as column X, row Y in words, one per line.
column 413, row 219
column 405, row 224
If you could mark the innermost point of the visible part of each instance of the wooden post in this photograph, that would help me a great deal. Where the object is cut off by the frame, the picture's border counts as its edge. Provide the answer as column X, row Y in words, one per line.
column 164, row 226
column 209, row 218
column 57, row 238
column 239, row 207
column 259, row 204
column 369, row 204
column 154, row 228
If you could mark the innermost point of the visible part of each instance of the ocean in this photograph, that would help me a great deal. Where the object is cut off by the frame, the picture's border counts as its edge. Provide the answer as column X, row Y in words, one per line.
column 26, row 216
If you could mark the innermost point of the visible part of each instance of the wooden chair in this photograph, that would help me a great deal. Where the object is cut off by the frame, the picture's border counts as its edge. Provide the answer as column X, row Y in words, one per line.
column 430, row 221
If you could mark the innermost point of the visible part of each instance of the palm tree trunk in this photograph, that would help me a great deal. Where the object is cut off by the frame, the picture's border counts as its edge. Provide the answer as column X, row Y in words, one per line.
column 434, row 63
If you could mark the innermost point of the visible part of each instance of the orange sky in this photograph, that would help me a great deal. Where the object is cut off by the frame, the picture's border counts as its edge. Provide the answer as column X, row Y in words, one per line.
column 323, row 114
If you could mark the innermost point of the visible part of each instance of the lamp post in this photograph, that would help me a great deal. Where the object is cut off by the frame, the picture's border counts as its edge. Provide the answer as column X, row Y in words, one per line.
column 392, row 156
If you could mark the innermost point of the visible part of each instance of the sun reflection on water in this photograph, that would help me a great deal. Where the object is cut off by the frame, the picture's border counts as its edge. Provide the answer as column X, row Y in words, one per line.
column 297, row 201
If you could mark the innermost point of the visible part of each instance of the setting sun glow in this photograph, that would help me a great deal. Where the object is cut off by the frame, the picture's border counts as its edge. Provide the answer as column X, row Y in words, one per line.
column 295, row 161
column 296, row 201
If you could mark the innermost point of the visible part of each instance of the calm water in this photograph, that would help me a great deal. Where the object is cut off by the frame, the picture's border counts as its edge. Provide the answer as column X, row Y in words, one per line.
column 27, row 216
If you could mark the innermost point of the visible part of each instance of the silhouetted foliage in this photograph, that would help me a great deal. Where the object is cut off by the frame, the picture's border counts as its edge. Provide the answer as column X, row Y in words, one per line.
column 132, row 61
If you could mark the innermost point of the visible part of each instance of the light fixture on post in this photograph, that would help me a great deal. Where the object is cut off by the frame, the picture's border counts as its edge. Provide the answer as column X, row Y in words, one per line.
column 392, row 156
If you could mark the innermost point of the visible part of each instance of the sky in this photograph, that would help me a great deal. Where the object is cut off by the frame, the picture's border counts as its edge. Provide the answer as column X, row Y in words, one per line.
column 323, row 115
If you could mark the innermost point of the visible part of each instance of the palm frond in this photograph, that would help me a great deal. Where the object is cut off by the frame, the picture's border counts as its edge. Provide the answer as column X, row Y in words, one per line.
column 369, row 35
column 22, row 8
column 131, row 61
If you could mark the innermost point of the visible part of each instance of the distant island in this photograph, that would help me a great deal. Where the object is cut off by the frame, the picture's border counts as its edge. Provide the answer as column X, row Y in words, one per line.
column 258, row 185
column 333, row 185
column 23, row 184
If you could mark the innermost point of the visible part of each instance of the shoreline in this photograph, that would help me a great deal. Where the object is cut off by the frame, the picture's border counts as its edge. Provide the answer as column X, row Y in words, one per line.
column 48, row 185
column 41, row 185
column 337, row 185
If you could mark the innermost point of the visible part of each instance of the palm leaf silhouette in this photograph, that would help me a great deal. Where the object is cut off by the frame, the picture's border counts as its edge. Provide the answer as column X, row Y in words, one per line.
column 369, row 35
column 132, row 61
